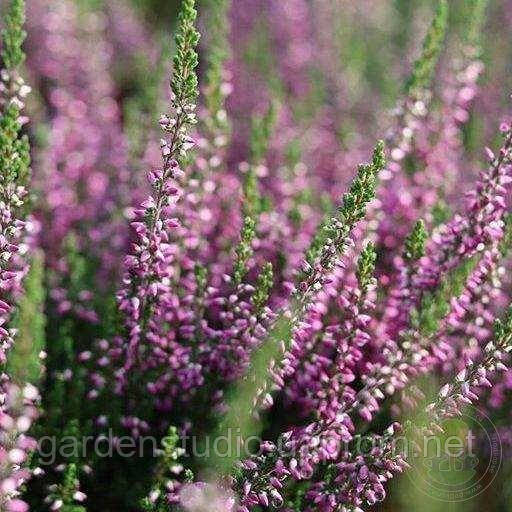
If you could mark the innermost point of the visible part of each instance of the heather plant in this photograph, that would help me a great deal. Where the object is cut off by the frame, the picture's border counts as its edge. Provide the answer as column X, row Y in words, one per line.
column 18, row 397
column 225, row 273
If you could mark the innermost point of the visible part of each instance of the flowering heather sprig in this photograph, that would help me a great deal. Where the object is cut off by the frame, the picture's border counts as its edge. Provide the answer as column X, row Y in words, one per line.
column 336, row 243
column 444, row 337
column 17, row 409
column 247, row 318
column 148, row 270
column 472, row 313
column 14, row 171
column 327, row 378
column 417, row 90
column 436, row 155
column 337, row 231
column 323, row 383
column 481, row 225
column 14, row 162
column 498, row 393
column 439, row 153
column 454, row 395
column 213, row 188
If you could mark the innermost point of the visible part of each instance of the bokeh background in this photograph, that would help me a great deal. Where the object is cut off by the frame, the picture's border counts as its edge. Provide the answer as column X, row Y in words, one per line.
column 336, row 68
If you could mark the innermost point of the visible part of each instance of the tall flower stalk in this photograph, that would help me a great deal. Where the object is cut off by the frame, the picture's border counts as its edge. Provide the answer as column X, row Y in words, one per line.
column 17, row 399
column 148, row 269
